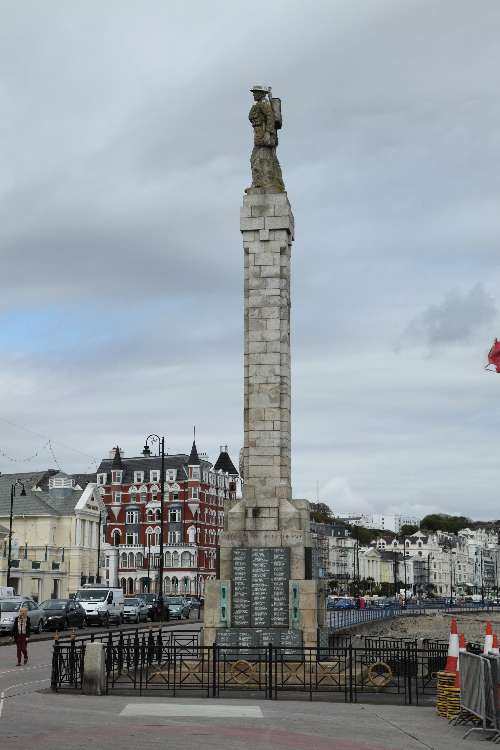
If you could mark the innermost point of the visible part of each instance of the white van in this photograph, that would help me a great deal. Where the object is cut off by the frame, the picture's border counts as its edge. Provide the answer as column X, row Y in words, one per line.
column 101, row 603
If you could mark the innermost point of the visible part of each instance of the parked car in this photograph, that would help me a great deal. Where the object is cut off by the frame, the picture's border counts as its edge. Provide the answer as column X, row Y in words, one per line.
column 151, row 601
column 101, row 603
column 9, row 610
column 135, row 609
column 178, row 608
column 63, row 613
column 344, row 603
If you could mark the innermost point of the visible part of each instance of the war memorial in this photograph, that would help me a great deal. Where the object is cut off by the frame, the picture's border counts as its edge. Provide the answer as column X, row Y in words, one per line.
column 265, row 592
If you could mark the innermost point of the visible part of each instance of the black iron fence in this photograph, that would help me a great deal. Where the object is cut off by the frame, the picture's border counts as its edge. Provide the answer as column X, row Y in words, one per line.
column 173, row 663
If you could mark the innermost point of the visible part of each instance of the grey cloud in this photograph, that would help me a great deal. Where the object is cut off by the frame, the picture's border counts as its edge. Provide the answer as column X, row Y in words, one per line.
column 453, row 321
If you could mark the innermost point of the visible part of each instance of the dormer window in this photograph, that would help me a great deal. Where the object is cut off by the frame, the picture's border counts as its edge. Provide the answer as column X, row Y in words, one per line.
column 61, row 482
column 116, row 476
column 195, row 472
column 101, row 479
column 138, row 477
column 171, row 475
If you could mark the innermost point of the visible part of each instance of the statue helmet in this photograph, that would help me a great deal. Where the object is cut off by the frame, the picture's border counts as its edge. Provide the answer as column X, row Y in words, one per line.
column 264, row 89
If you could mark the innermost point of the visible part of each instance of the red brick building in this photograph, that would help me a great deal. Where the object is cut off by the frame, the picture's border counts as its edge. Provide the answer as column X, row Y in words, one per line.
column 195, row 496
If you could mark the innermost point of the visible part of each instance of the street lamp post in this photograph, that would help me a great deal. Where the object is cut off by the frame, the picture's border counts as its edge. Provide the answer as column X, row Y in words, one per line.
column 404, row 564
column 98, row 574
column 12, row 495
column 482, row 579
column 149, row 563
column 395, row 572
column 161, row 451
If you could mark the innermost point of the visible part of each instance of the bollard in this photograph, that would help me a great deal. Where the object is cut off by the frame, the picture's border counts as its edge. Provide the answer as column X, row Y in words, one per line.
column 93, row 682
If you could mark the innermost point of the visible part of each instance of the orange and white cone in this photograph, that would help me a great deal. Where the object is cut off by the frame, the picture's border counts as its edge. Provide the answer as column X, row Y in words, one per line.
column 494, row 648
column 452, row 660
column 462, row 648
column 488, row 639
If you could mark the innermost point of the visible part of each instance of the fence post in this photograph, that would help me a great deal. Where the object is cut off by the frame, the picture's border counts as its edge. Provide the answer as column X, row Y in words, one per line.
column 350, row 652
column 270, row 671
column 408, row 667
column 215, row 668
column 54, row 683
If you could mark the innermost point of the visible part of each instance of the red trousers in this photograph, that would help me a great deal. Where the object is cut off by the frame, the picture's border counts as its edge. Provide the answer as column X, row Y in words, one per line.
column 21, row 648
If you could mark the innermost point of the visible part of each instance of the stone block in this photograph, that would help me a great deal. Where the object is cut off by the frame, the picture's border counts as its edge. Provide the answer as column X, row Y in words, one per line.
column 277, row 222
column 264, row 259
column 251, row 224
column 264, row 235
column 93, row 680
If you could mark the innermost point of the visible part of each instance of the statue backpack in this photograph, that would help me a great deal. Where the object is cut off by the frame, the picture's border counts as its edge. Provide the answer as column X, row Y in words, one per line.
column 276, row 107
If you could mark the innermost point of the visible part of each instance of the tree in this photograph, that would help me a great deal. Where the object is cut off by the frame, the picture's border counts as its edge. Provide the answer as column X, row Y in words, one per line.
column 444, row 522
column 407, row 529
column 320, row 513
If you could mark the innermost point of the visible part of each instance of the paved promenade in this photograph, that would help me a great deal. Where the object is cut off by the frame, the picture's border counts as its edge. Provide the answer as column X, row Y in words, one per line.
column 32, row 716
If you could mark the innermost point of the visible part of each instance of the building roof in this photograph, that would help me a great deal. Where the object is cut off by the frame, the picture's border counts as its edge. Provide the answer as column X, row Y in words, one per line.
column 194, row 459
column 224, row 462
column 178, row 461
column 36, row 502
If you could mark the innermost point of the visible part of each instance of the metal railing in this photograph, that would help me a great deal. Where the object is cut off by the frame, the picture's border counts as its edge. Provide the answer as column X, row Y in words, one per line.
column 173, row 662
column 342, row 619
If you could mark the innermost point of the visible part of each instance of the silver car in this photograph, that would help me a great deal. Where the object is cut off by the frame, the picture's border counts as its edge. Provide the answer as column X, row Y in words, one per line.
column 135, row 609
column 9, row 610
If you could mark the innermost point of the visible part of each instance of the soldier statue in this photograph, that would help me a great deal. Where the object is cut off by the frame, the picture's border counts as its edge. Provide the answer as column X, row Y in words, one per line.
column 265, row 116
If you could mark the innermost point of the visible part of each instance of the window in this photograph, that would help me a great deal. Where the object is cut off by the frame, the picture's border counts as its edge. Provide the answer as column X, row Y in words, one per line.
column 194, row 493
column 138, row 477
column 116, row 537
column 171, row 475
column 168, row 559
column 143, row 496
column 117, row 498
column 116, row 477
column 131, row 538
column 175, row 496
column 186, row 560
column 195, row 472
column 154, row 475
column 132, row 516
column 174, row 537
column 149, row 515
column 174, row 515
column 101, row 479
column 175, row 559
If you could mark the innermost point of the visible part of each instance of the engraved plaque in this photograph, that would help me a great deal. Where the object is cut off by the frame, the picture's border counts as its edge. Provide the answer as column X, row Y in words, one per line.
column 279, row 587
column 241, row 588
column 260, row 587
column 227, row 639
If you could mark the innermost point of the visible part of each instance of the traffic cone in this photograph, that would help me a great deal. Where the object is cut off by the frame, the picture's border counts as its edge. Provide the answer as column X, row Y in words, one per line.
column 488, row 638
column 462, row 647
column 452, row 660
column 494, row 648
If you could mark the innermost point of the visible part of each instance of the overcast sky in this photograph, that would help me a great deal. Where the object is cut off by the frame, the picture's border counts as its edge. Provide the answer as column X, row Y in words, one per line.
column 125, row 150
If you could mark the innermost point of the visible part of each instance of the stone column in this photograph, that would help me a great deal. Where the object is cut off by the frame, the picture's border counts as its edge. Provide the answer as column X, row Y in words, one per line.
column 267, row 230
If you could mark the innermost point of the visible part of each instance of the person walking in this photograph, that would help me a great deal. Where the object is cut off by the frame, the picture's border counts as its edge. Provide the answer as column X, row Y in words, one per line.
column 22, row 632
